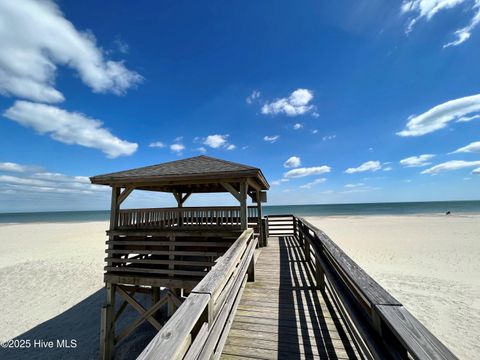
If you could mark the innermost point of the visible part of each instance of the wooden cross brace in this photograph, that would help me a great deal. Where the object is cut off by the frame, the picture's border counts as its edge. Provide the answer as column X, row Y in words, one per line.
column 177, row 301
column 144, row 314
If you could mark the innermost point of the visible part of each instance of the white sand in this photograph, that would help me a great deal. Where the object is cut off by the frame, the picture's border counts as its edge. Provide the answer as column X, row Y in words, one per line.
column 51, row 277
column 431, row 264
column 45, row 270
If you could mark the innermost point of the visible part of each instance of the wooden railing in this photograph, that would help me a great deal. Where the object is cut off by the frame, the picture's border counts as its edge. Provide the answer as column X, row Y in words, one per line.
column 199, row 328
column 381, row 325
column 188, row 217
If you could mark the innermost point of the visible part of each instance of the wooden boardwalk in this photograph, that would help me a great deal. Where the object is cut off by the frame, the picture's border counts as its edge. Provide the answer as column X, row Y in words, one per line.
column 282, row 316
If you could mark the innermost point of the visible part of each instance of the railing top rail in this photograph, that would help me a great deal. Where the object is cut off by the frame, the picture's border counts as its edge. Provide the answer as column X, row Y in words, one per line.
column 373, row 292
column 280, row 216
column 187, row 208
column 218, row 275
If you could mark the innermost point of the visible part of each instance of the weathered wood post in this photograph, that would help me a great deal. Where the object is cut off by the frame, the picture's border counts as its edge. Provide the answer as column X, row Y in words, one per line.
column 306, row 244
column 295, row 228
column 243, row 205
column 319, row 273
column 108, row 311
column 259, row 220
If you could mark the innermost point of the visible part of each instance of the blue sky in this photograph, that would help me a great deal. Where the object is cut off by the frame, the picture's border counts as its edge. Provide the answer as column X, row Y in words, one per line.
column 374, row 100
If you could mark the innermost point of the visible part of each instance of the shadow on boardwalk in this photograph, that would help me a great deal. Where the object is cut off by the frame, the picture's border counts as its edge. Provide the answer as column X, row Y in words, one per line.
column 283, row 316
column 307, row 319
column 81, row 323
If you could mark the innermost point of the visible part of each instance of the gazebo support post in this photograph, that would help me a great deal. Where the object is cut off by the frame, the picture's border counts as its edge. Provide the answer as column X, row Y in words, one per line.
column 243, row 205
column 259, row 219
column 108, row 315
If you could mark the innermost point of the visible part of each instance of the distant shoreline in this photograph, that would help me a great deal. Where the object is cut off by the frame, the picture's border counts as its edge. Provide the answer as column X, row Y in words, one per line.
column 434, row 208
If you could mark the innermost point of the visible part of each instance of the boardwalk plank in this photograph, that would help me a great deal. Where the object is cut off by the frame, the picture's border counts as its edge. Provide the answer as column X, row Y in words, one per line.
column 282, row 316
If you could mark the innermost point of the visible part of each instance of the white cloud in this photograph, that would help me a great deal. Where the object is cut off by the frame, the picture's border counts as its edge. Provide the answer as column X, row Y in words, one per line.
column 298, row 103
column 121, row 46
column 202, row 149
column 14, row 180
column 451, row 165
column 280, row 181
column 218, row 141
column 417, row 161
column 69, row 127
column 14, row 167
column 468, row 118
column 354, row 185
column 313, row 183
column 307, row 171
column 314, row 131
column 473, row 147
column 157, row 144
column 253, row 96
column 429, row 8
column 387, row 168
column 50, row 182
column 177, row 148
column 272, row 138
column 36, row 38
column 329, row 137
column 464, row 33
column 57, row 177
column 476, row 171
column 297, row 126
column 292, row 162
column 439, row 116
column 366, row 166
column 360, row 189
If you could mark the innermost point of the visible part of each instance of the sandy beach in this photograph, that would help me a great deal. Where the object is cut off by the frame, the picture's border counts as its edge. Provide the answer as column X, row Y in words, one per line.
column 51, row 276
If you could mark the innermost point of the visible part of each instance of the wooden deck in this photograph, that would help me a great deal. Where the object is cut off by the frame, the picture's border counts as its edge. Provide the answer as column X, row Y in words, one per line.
column 282, row 316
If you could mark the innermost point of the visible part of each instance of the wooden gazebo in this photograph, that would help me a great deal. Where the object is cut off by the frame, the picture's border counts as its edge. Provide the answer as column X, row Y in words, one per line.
column 174, row 248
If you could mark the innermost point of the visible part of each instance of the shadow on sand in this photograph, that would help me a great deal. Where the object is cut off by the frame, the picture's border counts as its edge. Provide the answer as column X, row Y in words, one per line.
column 81, row 323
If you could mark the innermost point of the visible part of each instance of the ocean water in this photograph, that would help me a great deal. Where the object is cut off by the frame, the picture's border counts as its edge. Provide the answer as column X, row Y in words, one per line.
column 405, row 208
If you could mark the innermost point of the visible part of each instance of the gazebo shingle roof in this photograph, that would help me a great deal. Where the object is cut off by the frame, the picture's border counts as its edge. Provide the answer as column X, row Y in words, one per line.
column 198, row 167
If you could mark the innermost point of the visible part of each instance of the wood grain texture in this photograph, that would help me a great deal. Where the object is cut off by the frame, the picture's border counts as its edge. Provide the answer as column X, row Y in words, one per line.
column 419, row 341
column 171, row 342
column 282, row 316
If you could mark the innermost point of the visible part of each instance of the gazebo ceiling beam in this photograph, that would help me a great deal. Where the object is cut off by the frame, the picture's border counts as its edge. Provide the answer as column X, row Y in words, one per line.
column 180, row 197
column 253, row 184
column 231, row 189
column 124, row 194
column 176, row 182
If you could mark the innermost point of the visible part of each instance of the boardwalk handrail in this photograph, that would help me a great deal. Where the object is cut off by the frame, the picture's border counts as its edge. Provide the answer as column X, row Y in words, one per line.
column 199, row 328
column 379, row 322
column 183, row 217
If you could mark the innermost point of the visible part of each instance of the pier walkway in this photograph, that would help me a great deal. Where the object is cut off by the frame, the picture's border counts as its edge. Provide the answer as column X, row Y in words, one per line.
column 297, row 297
column 283, row 315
